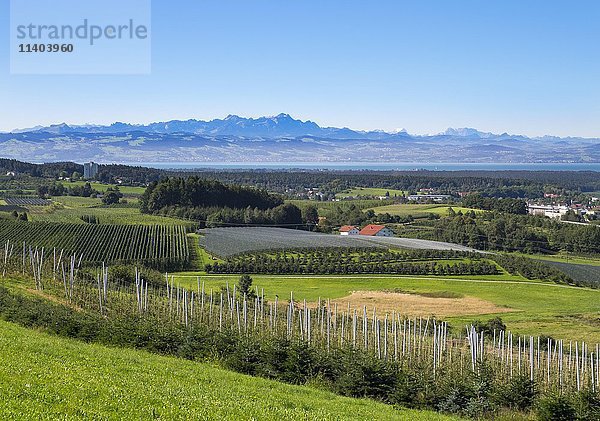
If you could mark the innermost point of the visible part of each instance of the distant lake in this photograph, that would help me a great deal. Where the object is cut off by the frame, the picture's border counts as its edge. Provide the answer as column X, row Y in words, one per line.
column 376, row 166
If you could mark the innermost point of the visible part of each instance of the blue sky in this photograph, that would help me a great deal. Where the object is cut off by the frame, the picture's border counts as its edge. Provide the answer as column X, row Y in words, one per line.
column 528, row 67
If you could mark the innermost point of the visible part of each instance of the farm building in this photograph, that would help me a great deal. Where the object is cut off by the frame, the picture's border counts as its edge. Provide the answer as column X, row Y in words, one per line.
column 349, row 230
column 376, row 231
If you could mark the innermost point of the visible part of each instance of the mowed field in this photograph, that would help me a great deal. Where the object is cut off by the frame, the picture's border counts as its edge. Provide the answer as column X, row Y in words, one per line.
column 370, row 191
column 46, row 377
column 69, row 209
column 419, row 210
column 528, row 307
column 101, row 187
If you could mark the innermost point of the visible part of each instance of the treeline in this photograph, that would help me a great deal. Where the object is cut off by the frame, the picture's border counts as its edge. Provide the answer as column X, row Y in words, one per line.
column 514, row 184
column 106, row 173
column 505, row 232
column 52, row 169
column 58, row 189
column 507, row 205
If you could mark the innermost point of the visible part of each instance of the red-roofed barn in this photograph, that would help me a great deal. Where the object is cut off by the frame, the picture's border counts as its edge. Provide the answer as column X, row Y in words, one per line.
column 377, row 231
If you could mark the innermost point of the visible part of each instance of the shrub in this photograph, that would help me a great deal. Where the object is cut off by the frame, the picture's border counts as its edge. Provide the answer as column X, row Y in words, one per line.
column 519, row 393
column 488, row 327
column 587, row 406
column 556, row 408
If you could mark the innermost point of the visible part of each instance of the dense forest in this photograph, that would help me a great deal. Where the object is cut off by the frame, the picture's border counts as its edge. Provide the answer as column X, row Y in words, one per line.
column 506, row 232
column 212, row 203
column 196, row 192
column 507, row 205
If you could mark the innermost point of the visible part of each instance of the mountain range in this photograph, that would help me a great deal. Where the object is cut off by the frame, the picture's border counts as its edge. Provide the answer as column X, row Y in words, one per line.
column 281, row 138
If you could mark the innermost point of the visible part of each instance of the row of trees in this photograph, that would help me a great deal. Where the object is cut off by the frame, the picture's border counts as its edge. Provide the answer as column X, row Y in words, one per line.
column 346, row 263
column 58, row 189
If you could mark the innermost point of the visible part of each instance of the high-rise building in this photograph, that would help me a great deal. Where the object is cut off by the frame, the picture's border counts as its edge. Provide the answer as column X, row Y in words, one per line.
column 90, row 170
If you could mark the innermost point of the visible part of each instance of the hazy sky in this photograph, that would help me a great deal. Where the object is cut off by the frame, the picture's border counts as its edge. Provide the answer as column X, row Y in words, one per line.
column 528, row 67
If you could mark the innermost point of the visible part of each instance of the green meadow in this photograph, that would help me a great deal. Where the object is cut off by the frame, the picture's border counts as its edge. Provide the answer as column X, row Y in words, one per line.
column 419, row 210
column 371, row 191
column 69, row 209
column 46, row 377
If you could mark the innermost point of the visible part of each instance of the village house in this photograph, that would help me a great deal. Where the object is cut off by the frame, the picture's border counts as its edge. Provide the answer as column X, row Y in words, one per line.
column 377, row 231
column 349, row 230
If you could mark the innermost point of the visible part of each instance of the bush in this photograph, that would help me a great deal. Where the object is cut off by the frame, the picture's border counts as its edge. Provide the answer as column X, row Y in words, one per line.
column 556, row 408
column 588, row 406
column 496, row 324
column 519, row 393
column 366, row 376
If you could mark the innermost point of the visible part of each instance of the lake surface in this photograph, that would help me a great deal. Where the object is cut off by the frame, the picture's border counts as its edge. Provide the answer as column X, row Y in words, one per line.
column 376, row 166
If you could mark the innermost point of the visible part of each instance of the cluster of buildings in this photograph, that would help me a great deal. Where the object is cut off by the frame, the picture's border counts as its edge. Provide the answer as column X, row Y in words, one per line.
column 428, row 197
column 371, row 230
column 558, row 211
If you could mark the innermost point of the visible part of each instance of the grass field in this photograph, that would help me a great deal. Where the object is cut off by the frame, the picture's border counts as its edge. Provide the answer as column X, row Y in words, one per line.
column 419, row 210
column 325, row 208
column 46, row 377
column 69, row 209
column 563, row 258
column 371, row 191
column 101, row 187
column 536, row 307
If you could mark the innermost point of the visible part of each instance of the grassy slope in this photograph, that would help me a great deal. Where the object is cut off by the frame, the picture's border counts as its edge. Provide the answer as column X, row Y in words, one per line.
column 327, row 208
column 45, row 377
column 101, row 187
column 370, row 191
column 418, row 210
column 563, row 258
column 74, row 207
column 563, row 312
